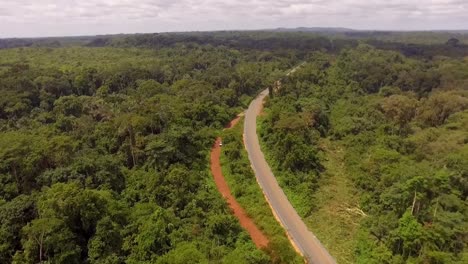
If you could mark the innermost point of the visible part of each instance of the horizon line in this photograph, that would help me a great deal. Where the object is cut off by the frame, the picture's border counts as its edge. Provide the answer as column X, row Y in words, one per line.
column 311, row 30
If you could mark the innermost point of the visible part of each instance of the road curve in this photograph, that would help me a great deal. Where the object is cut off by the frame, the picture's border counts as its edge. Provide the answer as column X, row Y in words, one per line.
column 306, row 242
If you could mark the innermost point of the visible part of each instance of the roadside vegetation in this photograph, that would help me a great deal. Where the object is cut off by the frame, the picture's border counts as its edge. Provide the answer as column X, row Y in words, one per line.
column 393, row 127
column 244, row 187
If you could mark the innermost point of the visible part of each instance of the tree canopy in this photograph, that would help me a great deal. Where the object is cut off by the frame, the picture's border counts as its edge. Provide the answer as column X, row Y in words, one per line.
column 402, row 124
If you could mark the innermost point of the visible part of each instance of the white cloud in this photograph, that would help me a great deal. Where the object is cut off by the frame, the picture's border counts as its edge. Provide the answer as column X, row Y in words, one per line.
column 75, row 17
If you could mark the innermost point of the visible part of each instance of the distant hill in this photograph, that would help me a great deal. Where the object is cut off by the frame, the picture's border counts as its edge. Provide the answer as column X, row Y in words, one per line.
column 363, row 31
column 312, row 29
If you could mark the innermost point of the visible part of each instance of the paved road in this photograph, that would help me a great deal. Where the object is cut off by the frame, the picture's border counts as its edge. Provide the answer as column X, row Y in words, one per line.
column 309, row 246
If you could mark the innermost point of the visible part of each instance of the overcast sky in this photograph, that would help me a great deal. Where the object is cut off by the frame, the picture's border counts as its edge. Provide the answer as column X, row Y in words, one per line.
column 33, row 18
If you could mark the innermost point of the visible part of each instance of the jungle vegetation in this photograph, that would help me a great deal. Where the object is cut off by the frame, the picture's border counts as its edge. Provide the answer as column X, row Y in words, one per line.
column 104, row 153
column 402, row 125
column 104, row 144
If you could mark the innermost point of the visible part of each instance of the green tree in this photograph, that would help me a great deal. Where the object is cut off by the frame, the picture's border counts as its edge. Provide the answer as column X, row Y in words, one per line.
column 411, row 234
column 439, row 106
column 399, row 109
column 183, row 253
column 48, row 240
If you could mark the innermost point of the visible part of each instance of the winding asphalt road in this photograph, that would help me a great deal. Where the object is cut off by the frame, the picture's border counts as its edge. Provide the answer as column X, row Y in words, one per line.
column 306, row 242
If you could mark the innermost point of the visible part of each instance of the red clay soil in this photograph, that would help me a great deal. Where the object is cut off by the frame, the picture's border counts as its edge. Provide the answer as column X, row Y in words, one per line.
column 233, row 122
column 260, row 240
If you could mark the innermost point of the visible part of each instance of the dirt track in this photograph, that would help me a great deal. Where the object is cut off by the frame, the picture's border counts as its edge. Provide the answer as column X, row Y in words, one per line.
column 260, row 240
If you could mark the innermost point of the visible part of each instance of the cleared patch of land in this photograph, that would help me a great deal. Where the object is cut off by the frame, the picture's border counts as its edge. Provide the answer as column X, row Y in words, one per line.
column 336, row 219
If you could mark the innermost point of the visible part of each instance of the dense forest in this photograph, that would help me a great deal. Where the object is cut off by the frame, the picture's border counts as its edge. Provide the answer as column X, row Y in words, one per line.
column 104, row 145
column 104, row 153
column 402, row 127
column 301, row 41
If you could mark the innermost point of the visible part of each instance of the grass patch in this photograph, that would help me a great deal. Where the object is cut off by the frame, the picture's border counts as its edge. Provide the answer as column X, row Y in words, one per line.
column 336, row 219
